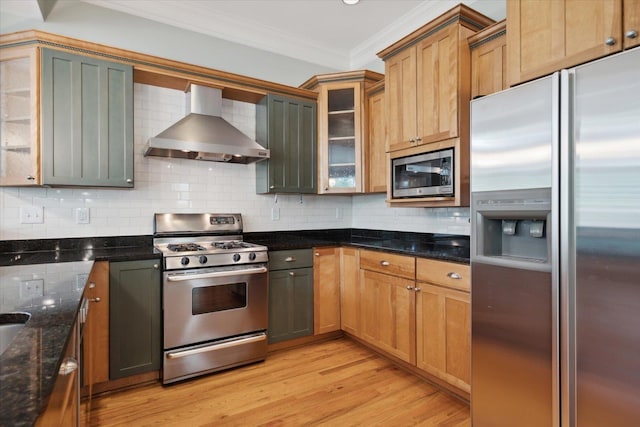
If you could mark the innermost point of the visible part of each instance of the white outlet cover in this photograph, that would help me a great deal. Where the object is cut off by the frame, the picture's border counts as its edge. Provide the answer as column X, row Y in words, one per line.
column 31, row 214
column 82, row 215
column 275, row 213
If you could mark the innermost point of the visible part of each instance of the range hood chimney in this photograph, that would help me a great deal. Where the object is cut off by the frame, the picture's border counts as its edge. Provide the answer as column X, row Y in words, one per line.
column 204, row 135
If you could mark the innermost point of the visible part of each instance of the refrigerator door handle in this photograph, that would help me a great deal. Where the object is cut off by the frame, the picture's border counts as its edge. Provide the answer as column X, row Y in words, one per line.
column 566, row 253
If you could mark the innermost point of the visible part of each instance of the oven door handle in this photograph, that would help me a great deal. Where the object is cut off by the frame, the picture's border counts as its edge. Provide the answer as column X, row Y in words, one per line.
column 233, row 343
column 210, row 275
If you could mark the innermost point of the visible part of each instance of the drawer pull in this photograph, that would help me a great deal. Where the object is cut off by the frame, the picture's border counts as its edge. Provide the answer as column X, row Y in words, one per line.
column 290, row 259
column 410, row 288
column 92, row 285
column 416, row 289
column 384, row 263
column 454, row 275
column 317, row 253
column 68, row 365
column 291, row 273
column 96, row 299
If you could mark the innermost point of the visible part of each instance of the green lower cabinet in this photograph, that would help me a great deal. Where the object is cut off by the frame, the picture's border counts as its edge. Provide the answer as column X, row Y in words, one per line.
column 135, row 325
column 290, row 304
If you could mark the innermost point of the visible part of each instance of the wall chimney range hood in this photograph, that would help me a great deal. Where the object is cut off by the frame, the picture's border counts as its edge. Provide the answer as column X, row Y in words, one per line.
column 204, row 135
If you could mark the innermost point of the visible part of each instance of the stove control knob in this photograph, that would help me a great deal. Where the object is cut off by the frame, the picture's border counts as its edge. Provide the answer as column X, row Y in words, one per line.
column 236, row 257
column 252, row 256
column 184, row 260
column 202, row 259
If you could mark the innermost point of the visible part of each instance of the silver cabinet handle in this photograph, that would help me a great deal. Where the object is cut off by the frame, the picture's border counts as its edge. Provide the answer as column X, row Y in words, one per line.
column 271, row 187
column 290, row 259
column 418, row 139
column 454, row 275
column 384, row 263
column 68, row 365
column 412, row 140
column 156, row 266
column 92, row 285
column 96, row 299
column 610, row 41
column 292, row 273
column 631, row 34
column 417, row 289
column 129, row 180
column 410, row 288
column 317, row 254
column 31, row 178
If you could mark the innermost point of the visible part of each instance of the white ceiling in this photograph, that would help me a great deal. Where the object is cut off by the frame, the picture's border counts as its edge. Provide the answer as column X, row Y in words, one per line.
column 325, row 32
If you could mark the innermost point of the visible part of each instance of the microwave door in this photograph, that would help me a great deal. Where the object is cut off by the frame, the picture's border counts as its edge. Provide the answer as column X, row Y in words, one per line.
column 423, row 175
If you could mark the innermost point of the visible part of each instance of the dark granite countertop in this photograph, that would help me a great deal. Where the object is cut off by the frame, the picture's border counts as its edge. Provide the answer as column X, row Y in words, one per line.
column 29, row 366
column 445, row 247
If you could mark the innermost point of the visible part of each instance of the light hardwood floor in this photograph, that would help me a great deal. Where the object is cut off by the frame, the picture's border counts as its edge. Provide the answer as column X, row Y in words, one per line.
column 332, row 383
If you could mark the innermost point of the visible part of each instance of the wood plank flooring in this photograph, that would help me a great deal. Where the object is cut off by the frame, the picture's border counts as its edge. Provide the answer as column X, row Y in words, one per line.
column 332, row 383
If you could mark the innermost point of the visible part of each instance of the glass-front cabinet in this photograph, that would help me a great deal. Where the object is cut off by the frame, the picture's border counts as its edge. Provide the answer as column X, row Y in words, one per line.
column 19, row 136
column 342, row 129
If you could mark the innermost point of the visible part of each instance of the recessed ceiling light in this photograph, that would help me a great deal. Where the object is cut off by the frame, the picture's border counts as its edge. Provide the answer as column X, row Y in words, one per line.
column 350, row 2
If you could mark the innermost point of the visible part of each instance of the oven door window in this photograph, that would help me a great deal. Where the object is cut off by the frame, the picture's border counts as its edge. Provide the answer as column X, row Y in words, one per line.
column 210, row 299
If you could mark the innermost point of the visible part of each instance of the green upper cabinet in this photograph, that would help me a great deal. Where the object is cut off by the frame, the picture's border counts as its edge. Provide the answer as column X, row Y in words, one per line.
column 87, row 121
column 287, row 127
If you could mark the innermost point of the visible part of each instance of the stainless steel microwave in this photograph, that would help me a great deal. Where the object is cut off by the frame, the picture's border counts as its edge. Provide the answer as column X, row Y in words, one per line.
column 423, row 175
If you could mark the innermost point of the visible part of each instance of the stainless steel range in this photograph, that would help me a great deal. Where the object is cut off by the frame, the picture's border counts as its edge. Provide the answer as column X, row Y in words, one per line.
column 215, row 294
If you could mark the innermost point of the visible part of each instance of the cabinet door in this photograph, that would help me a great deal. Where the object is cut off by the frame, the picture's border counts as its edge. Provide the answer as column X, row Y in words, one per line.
column 340, row 138
column 290, row 304
column 546, row 35
column 326, row 290
column 444, row 334
column 134, row 317
column 350, row 294
column 489, row 64
column 19, row 136
column 95, row 342
column 87, row 121
column 437, row 86
column 631, row 23
column 376, row 158
column 288, row 128
column 388, row 314
column 400, row 98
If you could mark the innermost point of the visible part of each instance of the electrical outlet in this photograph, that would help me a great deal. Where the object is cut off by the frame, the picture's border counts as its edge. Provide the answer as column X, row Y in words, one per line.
column 275, row 213
column 31, row 288
column 31, row 215
column 82, row 215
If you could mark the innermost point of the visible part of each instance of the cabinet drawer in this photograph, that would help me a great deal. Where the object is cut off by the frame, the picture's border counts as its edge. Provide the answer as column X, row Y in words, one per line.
column 396, row 265
column 450, row 274
column 296, row 258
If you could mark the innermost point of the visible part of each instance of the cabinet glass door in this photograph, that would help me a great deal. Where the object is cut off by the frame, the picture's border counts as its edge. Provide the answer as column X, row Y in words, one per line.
column 18, row 120
column 342, row 138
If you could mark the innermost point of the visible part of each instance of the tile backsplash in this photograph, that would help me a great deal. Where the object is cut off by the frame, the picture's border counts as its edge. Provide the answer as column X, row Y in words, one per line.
column 179, row 185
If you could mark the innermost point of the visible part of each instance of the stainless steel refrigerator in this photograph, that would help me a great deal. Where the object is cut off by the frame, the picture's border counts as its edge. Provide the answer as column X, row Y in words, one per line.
column 555, row 257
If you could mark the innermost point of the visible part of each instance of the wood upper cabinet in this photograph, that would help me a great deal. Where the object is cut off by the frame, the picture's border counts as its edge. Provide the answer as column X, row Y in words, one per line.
column 489, row 60
column 427, row 83
column 326, row 290
column 375, row 156
column 287, row 127
column 443, row 321
column 342, row 129
column 19, row 124
column 547, row 35
column 350, row 293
